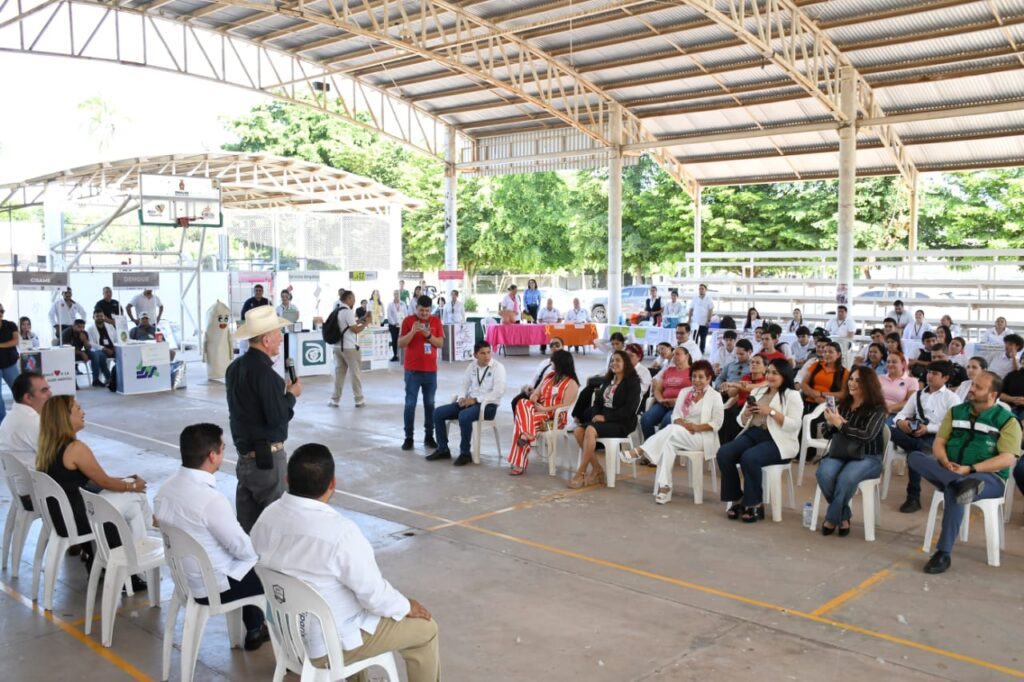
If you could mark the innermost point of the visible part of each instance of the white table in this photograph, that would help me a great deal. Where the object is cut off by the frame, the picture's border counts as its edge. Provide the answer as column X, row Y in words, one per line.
column 57, row 364
column 143, row 367
column 313, row 356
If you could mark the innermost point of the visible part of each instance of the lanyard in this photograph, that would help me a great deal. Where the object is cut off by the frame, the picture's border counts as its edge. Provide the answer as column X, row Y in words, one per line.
column 480, row 380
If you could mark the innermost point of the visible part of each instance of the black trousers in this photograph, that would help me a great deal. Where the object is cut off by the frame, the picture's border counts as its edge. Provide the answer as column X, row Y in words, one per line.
column 702, row 335
column 393, row 328
column 248, row 586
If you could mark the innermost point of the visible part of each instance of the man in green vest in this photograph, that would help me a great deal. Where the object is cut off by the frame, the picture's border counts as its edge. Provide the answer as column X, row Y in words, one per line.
column 974, row 450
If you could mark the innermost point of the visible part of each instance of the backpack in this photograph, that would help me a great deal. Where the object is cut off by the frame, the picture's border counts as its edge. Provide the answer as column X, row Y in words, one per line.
column 330, row 331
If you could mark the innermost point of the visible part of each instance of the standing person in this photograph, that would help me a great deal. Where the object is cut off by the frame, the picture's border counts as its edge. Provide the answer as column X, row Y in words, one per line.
column 652, row 308
column 511, row 305
column 421, row 336
column 403, row 293
column 254, row 301
column 101, row 338
column 301, row 535
column 483, row 382
column 556, row 389
column 146, row 302
column 397, row 311
column 346, row 352
column 189, row 501
column 287, row 309
column 10, row 337
column 547, row 315
column 108, row 305
column 63, row 314
column 260, row 405
column 976, row 445
column 702, row 307
column 27, row 335
column 376, row 308
column 531, row 299
column 454, row 311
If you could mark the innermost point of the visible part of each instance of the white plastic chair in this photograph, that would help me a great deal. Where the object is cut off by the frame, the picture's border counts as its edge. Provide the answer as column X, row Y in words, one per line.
column 694, row 460
column 892, row 454
column 807, row 440
column 613, row 447
column 771, row 481
column 291, row 604
column 992, row 511
column 179, row 548
column 478, row 427
column 868, row 490
column 547, row 441
column 132, row 557
column 44, row 488
column 19, row 520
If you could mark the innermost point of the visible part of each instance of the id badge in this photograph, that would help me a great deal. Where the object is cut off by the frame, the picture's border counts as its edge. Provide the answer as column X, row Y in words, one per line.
column 427, row 349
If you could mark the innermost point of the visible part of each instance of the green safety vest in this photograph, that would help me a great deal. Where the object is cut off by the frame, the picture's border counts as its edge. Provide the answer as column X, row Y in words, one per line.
column 974, row 439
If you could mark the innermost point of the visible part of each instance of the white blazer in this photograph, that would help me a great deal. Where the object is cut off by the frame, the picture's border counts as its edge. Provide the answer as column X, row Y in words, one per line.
column 711, row 412
column 786, row 436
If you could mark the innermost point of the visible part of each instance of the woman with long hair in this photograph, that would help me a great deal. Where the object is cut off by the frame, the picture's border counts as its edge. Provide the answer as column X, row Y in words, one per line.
column 771, row 422
column 557, row 389
column 975, row 366
column 943, row 335
column 825, row 376
column 753, row 320
column 72, row 464
column 856, row 447
column 531, row 299
column 696, row 418
column 608, row 410
column 796, row 322
column 739, row 391
column 897, row 384
column 893, row 343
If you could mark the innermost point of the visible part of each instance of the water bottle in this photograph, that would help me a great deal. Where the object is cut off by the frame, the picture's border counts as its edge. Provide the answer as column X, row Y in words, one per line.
column 808, row 511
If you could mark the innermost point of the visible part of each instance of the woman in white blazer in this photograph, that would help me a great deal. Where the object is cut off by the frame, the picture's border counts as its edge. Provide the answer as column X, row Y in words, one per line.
column 771, row 428
column 696, row 419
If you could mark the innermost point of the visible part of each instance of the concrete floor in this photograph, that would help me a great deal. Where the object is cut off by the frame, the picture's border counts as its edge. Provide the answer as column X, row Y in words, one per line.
column 531, row 581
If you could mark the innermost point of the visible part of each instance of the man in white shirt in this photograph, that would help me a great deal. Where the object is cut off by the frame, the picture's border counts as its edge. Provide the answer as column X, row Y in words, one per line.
column 804, row 348
column 917, row 328
column 726, row 353
column 302, row 536
column 397, row 311
column 64, row 312
column 346, row 352
column 548, row 315
column 998, row 333
column 674, row 307
column 511, row 305
column 102, row 336
column 454, row 311
column 899, row 315
column 1009, row 360
column 145, row 302
column 577, row 315
column 702, row 307
column 683, row 339
column 483, row 382
column 19, row 431
column 190, row 502
column 918, row 422
column 841, row 326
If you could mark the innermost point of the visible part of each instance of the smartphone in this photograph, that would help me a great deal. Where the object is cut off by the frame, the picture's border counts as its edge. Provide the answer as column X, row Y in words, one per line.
column 751, row 401
column 830, row 402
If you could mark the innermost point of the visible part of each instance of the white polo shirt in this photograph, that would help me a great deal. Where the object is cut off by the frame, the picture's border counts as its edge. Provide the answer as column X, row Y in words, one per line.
column 701, row 309
column 141, row 304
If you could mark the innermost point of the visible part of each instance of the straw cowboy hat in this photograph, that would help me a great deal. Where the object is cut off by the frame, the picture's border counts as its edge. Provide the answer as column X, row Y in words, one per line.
column 260, row 321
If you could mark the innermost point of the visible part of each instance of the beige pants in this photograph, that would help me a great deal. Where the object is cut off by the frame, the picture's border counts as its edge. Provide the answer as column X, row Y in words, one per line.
column 414, row 639
column 344, row 360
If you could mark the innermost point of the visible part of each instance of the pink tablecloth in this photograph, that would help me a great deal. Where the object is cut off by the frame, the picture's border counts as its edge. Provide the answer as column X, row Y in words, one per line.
column 516, row 335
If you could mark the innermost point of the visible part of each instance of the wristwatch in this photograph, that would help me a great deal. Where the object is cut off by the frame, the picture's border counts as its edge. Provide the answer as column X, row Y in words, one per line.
column 973, row 470
column 772, row 413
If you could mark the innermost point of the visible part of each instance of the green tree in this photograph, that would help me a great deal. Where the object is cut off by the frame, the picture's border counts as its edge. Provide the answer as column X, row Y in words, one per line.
column 982, row 209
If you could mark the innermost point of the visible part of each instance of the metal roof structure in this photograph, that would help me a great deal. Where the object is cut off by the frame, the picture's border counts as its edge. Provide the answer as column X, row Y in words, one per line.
column 719, row 91
column 248, row 181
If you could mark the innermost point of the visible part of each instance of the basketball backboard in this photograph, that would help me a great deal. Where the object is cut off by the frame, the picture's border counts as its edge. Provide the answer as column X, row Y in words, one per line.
column 167, row 199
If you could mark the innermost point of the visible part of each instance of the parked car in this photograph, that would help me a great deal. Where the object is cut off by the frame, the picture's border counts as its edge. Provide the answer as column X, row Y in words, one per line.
column 633, row 300
column 891, row 295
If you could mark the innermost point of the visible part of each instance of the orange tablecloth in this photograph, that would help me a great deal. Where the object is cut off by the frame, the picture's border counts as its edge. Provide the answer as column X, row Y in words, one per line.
column 573, row 334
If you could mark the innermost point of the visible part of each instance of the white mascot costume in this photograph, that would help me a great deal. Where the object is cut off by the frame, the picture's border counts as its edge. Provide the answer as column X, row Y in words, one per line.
column 218, row 344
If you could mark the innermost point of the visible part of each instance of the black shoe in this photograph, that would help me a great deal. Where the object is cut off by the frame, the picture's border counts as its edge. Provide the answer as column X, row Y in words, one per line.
column 825, row 530
column 910, row 506
column 967, row 489
column 438, row 454
column 394, row 359
column 407, row 444
column 463, row 460
column 255, row 639
column 843, row 532
column 98, row 384
column 138, row 584
column 430, row 442
column 939, row 563
column 752, row 514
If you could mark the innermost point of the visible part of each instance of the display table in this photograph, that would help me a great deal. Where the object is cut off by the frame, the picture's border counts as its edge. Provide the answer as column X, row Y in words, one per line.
column 572, row 334
column 313, row 356
column 143, row 367
column 650, row 336
column 516, row 339
column 57, row 364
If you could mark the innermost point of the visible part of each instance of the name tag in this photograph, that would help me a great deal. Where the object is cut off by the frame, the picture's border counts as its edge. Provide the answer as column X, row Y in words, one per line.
column 427, row 349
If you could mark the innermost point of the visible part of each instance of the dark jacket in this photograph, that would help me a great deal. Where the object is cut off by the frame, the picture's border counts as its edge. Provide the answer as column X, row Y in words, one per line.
column 623, row 408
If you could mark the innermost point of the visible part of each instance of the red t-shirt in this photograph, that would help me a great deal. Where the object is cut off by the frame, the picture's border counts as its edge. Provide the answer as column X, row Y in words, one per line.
column 775, row 355
column 420, row 355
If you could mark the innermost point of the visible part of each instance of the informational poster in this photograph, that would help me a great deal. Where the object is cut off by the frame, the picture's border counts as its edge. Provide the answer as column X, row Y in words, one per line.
column 375, row 348
column 313, row 356
column 56, row 364
column 463, row 340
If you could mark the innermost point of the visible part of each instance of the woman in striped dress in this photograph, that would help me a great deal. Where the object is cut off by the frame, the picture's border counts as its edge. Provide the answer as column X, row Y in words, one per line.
column 558, row 389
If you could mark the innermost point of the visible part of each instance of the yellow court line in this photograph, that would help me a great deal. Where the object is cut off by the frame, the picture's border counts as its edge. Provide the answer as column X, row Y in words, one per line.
column 753, row 602
column 836, row 602
column 81, row 621
column 97, row 648
column 516, row 507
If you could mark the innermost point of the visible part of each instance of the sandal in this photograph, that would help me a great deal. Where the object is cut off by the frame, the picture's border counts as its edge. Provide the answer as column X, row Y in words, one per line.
column 576, row 481
column 516, row 471
column 596, row 477
column 752, row 514
column 734, row 511
column 632, row 456
column 664, row 495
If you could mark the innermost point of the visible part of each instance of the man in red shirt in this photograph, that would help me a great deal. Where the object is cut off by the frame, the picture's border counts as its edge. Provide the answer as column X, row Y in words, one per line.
column 421, row 336
column 769, row 349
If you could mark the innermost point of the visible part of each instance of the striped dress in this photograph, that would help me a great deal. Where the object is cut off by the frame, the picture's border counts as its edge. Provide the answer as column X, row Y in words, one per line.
column 528, row 420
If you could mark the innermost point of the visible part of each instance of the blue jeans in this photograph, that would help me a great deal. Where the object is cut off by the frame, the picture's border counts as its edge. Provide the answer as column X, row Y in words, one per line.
column 927, row 466
column 9, row 374
column 752, row 450
column 657, row 416
column 98, row 360
column 911, row 444
column 466, row 417
column 838, row 480
column 416, row 380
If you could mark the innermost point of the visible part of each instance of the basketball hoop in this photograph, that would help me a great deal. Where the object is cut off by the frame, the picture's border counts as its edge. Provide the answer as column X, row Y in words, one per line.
column 184, row 222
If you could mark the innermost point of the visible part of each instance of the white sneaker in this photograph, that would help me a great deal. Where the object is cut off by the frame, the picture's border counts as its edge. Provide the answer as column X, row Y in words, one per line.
column 362, row 404
column 332, row 403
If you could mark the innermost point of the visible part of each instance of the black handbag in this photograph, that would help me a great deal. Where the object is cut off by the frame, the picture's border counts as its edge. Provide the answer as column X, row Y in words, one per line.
column 845, row 448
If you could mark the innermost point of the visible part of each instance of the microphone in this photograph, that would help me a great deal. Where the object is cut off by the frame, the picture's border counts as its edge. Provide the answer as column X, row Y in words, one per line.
column 289, row 366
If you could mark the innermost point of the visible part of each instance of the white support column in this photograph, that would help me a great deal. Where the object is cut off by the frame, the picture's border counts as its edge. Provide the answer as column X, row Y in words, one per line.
column 451, row 218
column 615, row 220
column 698, row 230
column 53, row 221
column 912, row 237
column 847, row 182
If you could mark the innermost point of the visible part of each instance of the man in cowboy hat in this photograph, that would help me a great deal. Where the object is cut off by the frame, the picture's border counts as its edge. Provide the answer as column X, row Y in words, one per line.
column 260, row 405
